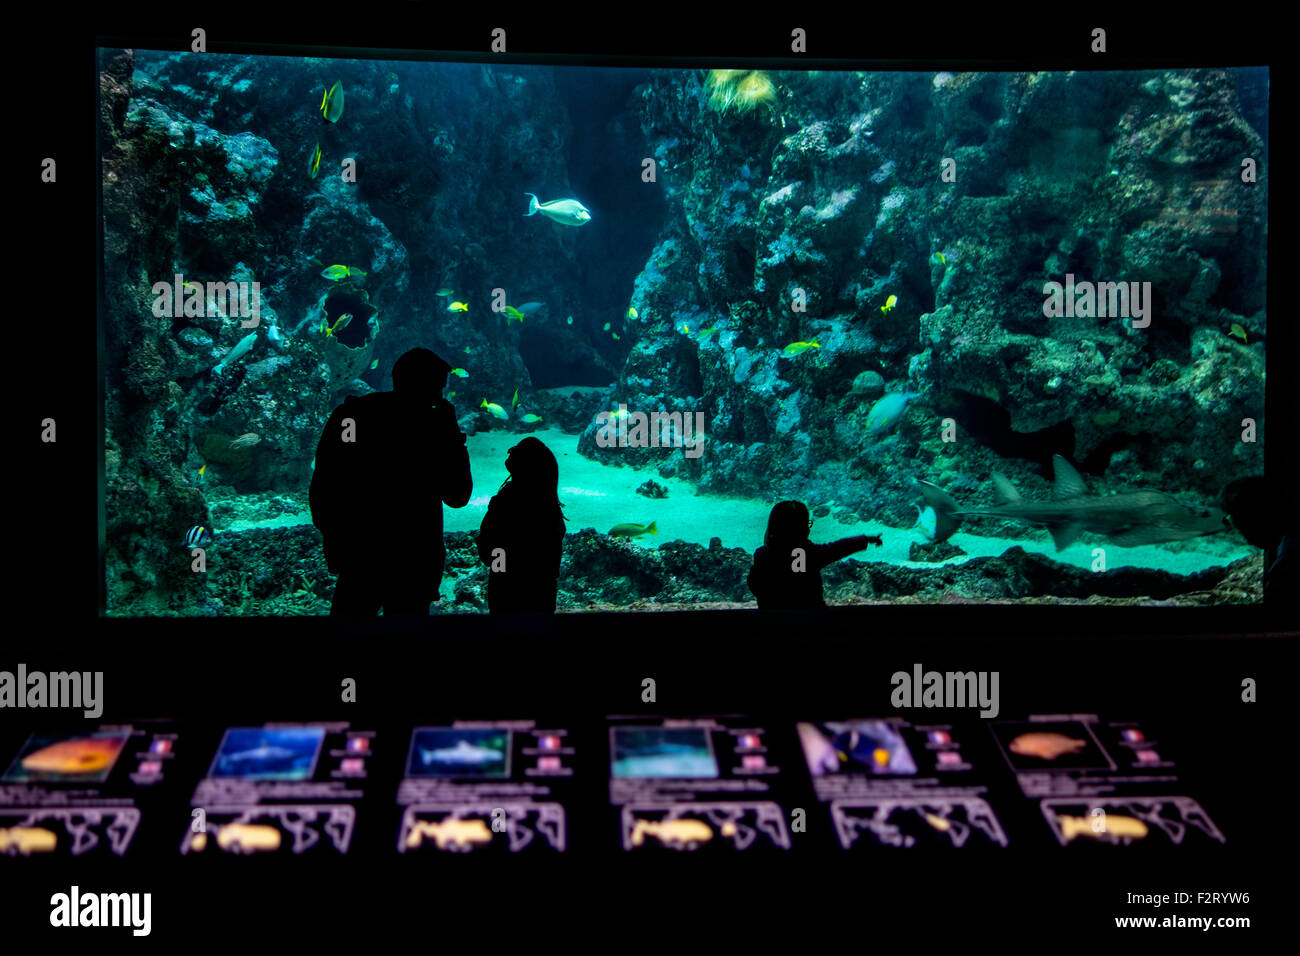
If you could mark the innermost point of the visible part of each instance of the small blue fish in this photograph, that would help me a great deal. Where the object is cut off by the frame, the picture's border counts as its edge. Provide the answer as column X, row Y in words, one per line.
column 885, row 414
column 198, row 536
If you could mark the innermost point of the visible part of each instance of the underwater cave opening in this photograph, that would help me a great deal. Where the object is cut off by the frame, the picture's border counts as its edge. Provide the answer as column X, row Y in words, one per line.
column 357, row 332
column 554, row 359
column 628, row 214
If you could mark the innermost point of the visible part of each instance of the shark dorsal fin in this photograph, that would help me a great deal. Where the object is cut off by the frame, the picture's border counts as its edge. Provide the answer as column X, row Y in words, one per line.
column 1004, row 490
column 1068, row 484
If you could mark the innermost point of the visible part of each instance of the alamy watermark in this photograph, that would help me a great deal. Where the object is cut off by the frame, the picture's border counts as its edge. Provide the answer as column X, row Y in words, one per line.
column 1101, row 300
column 179, row 299
column 78, row 689
column 656, row 429
column 949, row 690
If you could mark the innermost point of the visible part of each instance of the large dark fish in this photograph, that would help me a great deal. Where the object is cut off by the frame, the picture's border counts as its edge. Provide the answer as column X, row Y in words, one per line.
column 1129, row 519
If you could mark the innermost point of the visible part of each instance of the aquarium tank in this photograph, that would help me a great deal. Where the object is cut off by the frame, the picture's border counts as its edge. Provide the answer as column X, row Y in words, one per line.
column 1013, row 324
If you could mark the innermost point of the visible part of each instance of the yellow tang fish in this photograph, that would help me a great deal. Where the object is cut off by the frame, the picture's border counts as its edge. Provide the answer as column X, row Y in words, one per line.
column 889, row 304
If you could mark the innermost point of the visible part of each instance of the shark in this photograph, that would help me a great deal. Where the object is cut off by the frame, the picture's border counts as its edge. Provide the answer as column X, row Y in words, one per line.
column 463, row 753
column 1129, row 518
column 258, row 754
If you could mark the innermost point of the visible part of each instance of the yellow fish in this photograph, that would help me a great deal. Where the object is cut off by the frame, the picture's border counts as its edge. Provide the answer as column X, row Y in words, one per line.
column 889, row 304
column 458, row 307
column 686, row 329
column 248, row 838
column 514, row 402
column 202, row 470
column 942, row 260
column 530, row 418
column 340, row 323
column 460, row 373
column 335, row 273
column 794, row 348
column 313, row 164
column 449, row 832
column 331, row 104
column 632, row 530
column 1115, row 828
column 495, row 410
column 671, row 831
column 27, row 840
column 631, row 312
column 513, row 313
column 1238, row 332
column 374, row 365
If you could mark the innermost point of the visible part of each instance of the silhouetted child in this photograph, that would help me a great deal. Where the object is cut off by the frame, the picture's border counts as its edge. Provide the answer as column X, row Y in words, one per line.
column 521, row 539
column 786, row 575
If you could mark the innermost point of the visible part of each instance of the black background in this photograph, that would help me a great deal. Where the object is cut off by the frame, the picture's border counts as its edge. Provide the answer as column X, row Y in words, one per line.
column 1179, row 670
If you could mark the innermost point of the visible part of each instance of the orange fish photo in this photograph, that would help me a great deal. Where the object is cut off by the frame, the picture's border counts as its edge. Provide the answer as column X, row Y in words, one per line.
column 54, row 758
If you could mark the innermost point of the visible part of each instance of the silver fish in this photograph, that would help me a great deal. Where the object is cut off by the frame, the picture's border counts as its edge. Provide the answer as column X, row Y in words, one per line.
column 567, row 212
column 1129, row 518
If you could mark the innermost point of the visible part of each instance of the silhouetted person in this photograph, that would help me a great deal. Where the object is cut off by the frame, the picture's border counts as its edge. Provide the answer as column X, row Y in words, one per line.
column 521, row 539
column 1267, row 520
column 379, row 487
column 785, row 581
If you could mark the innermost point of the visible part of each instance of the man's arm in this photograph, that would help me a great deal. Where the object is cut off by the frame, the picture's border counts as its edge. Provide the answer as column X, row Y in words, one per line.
column 457, row 483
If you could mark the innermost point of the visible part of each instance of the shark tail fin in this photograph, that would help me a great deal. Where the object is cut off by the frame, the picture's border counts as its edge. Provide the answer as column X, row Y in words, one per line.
column 1004, row 491
column 945, row 509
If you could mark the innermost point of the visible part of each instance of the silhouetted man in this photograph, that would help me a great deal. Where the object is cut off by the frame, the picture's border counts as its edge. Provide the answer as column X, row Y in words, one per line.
column 385, row 465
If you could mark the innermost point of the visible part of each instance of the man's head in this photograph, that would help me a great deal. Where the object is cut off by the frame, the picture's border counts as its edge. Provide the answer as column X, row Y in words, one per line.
column 420, row 375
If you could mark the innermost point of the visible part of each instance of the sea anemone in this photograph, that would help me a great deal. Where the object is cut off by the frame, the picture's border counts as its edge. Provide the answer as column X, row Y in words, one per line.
column 741, row 90
column 754, row 91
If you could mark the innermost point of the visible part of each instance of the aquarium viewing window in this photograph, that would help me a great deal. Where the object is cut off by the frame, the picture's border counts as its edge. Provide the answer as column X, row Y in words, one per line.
column 1001, row 336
